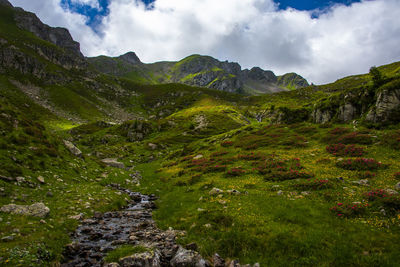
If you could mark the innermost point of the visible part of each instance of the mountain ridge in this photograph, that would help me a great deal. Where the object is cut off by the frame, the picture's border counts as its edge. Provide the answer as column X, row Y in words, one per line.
column 202, row 71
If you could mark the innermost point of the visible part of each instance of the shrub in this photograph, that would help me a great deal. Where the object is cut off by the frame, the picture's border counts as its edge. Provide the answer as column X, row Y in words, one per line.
column 349, row 210
column 356, row 138
column 345, row 150
column 236, row 171
column 216, row 168
column 397, row 175
column 250, row 156
column 288, row 175
column 384, row 198
column 227, row 144
column 360, row 164
column 316, row 184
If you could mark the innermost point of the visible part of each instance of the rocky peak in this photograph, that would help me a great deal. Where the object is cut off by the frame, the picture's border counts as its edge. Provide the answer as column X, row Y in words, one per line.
column 261, row 75
column 292, row 80
column 130, row 58
column 58, row 36
column 5, row 3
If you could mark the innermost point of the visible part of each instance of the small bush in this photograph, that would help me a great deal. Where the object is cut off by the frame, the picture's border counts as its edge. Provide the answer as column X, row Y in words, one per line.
column 360, row 164
column 345, row 150
column 367, row 174
column 397, row 175
column 227, row 144
column 236, row 172
column 349, row 210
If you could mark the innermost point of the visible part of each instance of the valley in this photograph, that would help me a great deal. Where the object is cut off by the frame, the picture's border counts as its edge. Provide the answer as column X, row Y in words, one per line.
column 169, row 161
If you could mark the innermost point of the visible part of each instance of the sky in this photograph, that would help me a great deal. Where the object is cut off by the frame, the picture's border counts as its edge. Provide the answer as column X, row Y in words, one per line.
column 321, row 40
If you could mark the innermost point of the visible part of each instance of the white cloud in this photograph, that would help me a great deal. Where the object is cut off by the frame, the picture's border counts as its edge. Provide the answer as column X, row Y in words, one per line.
column 342, row 41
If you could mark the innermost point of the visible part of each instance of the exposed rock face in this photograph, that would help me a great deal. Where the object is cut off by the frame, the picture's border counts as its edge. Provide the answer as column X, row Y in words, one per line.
column 259, row 74
column 36, row 210
column 58, row 36
column 321, row 116
column 347, row 112
column 387, row 104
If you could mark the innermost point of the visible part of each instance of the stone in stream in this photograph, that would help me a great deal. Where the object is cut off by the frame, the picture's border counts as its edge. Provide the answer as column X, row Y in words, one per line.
column 145, row 259
column 186, row 257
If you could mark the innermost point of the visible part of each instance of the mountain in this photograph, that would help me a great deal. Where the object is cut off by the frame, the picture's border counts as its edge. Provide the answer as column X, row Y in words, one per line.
column 305, row 177
column 201, row 71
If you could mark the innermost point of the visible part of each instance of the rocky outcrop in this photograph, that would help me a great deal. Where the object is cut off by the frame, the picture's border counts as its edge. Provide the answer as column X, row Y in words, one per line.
column 58, row 36
column 37, row 210
column 130, row 58
column 387, row 107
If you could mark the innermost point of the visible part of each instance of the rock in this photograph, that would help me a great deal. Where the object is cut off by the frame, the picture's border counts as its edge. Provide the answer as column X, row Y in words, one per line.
column 145, row 259
column 306, row 193
column 198, row 157
column 76, row 217
column 397, row 186
column 113, row 163
column 391, row 192
column 233, row 192
column 41, row 179
column 20, row 179
column 218, row 261
column 36, row 210
column 215, row 191
column 363, row 182
column 113, row 264
column 279, row 193
column 5, row 3
column 49, row 194
column 184, row 257
column 7, row 238
column 152, row 146
column 72, row 148
column 234, row 263
column 7, row 179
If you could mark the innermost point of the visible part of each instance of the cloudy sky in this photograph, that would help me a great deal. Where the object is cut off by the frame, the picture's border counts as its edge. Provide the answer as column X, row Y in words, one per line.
column 321, row 40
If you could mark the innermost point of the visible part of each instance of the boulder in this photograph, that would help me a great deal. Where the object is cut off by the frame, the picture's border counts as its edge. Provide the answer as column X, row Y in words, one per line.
column 72, row 148
column 113, row 163
column 184, row 258
column 145, row 259
column 387, row 103
column 215, row 191
column 37, row 210
column 41, row 179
